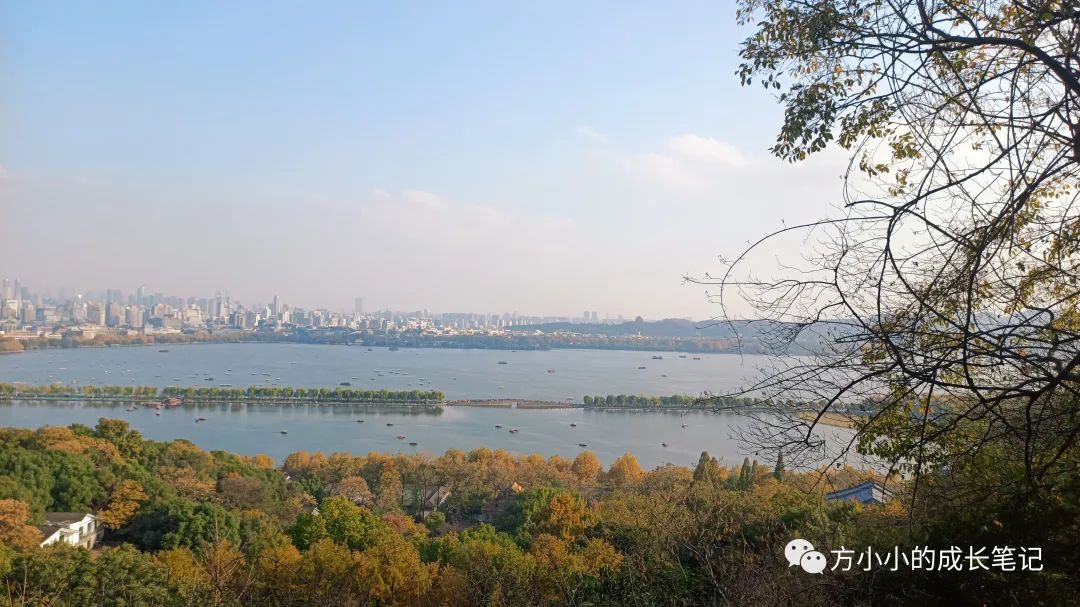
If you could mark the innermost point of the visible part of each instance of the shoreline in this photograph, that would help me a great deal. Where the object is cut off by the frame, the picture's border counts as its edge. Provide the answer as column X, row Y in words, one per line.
column 150, row 401
column 499, row 403
column 491, row 347
column 512, row 403
column 835, row 420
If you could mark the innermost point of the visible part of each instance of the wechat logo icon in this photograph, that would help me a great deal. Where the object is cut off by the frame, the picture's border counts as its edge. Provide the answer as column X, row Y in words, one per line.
column 801, row 552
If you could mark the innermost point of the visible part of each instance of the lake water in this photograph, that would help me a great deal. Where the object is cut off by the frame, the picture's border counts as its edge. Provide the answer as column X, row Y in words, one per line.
column 458, row 373
column 251, row 429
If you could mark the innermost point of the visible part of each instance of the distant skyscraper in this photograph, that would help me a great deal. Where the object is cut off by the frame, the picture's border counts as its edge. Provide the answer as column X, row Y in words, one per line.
column 134, row 317
column 595, row 317
column 276, row 308
column 95, row 313
column 358, row 306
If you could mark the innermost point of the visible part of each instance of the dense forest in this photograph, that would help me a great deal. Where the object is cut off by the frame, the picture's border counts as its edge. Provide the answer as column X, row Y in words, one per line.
column 190, row 527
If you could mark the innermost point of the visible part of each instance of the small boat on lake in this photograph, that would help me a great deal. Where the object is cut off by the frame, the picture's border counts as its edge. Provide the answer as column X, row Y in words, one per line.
column 498, row 425
column 513, row 430
column 684, row 425
column 573, row 425
column 582, row 445
column 389, row 424
column 401, row 437
column 502, row 362
column 658, row 358
column 284, row 431
column 412, row 444
column 663, row 444
column 641, row 368
column 344, row 383
column 163, row 351
column 359, row 421
column 551, row 371
column 200, row 419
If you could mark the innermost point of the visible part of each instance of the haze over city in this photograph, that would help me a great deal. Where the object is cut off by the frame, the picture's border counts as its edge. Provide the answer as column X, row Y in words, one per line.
column 488, row 158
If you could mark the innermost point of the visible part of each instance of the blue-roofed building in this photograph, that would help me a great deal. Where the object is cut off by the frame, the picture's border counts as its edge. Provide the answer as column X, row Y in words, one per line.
column 870, row 492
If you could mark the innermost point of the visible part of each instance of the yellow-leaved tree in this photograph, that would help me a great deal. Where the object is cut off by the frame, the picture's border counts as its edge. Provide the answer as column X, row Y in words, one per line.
column 124, row 502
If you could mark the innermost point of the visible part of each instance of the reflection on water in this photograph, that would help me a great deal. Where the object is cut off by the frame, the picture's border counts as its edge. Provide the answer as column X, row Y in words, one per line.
column 251, row 429
column 475, row 374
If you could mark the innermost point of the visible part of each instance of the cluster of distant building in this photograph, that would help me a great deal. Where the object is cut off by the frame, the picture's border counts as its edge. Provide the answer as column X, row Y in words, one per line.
column 85, row 314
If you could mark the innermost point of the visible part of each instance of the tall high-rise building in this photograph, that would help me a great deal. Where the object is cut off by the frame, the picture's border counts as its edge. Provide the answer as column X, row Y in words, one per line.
column 358, row 306
column 95, row 313
column 276, row 308
column 134, row 317
column 114, row 314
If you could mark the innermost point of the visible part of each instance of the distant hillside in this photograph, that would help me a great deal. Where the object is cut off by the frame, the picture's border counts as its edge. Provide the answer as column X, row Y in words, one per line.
column 670, row 327
column 752, row 333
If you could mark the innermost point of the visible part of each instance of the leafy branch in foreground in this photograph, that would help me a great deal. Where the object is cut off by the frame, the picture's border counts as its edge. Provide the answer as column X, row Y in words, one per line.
column 944, row 290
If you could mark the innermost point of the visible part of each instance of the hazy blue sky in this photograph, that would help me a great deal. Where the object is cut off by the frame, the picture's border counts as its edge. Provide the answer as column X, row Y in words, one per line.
column 481, row 156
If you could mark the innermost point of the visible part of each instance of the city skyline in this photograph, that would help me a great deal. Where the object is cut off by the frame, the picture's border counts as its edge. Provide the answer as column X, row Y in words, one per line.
column 12, row 290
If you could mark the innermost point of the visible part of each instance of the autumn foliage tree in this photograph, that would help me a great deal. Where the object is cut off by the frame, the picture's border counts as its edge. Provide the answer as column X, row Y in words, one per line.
column 390, row 488
column 124, row 501
column 625, row 470
column 15, row 527
column 355, row 488
column 587, row 466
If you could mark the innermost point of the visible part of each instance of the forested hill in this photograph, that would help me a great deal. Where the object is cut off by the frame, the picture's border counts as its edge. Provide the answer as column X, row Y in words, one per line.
column 187, row 527
column 748, row 331
column 669, row 327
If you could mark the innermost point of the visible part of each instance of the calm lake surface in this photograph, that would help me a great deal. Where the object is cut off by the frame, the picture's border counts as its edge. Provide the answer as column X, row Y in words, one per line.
column 458, row 373
column 251, row 429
